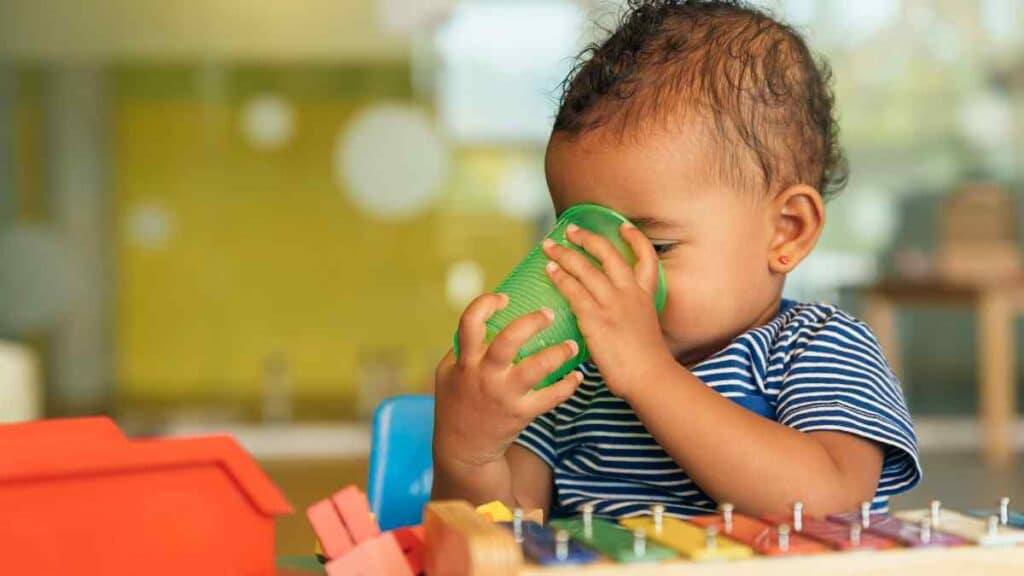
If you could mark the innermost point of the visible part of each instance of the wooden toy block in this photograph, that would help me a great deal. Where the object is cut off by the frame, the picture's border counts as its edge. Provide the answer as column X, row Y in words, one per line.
column 547, row 547
column 412, row 540
column 835, row 535
column 614, row 541
column 692, row 542
column 910, row 534
column 496, row 511
column 330, row 532
column 354, row 509
column 409, row 537
column 460, row 542
column 762, row 537
column 380, row 556
column 988, row 532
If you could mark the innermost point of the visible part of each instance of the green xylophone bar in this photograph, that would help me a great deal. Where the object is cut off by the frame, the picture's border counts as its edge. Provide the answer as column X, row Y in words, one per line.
column 612, row 540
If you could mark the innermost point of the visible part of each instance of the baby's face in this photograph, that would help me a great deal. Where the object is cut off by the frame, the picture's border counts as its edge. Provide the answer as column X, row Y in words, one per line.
column 713, row 241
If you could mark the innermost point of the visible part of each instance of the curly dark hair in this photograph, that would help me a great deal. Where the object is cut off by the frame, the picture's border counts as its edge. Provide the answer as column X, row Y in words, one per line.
column 725, row 66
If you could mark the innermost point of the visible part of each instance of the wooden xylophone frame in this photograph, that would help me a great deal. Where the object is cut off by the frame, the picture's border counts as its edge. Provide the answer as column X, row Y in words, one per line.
column 958, row 561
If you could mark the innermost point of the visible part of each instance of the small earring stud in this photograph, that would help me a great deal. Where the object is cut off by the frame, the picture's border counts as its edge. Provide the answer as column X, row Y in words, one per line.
column 784, row 260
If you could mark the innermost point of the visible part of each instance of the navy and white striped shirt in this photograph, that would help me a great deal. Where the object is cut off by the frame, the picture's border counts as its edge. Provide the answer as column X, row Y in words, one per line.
column 813, row 367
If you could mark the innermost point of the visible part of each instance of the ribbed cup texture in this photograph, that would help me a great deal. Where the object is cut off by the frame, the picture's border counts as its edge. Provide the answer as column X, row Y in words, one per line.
column 529, row 288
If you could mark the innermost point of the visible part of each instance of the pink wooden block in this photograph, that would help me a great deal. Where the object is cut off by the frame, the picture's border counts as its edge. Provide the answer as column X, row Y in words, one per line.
column 380, row 556
column 330, row 530
column 354, row 509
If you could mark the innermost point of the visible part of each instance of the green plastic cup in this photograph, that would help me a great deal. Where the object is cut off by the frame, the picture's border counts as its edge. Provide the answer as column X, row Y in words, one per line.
column 529, row 288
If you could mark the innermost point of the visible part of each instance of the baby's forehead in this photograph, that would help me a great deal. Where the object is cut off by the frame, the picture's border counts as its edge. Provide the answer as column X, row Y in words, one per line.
column 642, row 174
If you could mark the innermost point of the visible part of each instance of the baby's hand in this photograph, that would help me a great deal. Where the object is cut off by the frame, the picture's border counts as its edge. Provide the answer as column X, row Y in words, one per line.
column 483, row 401
column 614, row 308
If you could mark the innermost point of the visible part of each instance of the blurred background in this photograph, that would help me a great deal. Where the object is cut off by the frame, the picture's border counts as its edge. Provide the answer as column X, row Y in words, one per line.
column 265, row 217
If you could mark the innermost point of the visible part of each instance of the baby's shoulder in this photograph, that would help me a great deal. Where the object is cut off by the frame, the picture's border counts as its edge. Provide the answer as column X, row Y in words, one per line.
column 801, row 325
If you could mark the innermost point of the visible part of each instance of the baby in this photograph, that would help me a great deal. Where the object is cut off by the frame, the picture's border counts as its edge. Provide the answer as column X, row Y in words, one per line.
column 710, row 126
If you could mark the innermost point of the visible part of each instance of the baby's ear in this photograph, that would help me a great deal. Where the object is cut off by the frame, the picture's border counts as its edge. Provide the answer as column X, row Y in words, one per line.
column 798, row 217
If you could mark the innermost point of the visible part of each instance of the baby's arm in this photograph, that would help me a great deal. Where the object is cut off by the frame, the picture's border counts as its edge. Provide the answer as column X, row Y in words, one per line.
column 758, row 464
column 483, row 401
column 519, row 479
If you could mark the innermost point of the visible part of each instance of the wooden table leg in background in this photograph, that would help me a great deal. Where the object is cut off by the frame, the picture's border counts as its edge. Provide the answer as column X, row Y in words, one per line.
column 880, row 315
column 997, row 403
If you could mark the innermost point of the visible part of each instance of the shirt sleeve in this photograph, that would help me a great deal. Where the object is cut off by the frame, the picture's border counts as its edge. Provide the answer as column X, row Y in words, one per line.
column 539, row 437
column 837, row 379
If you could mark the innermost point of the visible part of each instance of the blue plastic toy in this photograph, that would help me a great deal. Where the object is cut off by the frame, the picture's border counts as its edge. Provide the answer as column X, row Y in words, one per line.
column 401, row 460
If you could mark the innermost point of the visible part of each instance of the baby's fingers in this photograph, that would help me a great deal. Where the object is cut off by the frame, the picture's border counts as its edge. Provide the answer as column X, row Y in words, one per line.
column 534, row 369
column 544, row 400
column 599, row 247
column 472, row 327
column 646, row 267
column 506, row 344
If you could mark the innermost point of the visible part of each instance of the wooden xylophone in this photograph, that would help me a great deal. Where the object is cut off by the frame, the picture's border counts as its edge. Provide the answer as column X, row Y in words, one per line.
column 935, row 541
column 491, row 540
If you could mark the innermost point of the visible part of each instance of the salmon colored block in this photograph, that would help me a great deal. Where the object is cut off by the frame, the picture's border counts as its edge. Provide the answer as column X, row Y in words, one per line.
column 411, row 539
column 354, row 509
column 408, row 536
column 760, row 536
column 380, row 556
column 78, row 497
column 330, row 531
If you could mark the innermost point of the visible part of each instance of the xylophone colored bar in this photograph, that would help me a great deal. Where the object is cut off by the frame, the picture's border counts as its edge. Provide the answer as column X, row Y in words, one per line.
column 835, row 535
column 689, row 540
column 910, row 534
column 765, row 539
column 1015, row 519
column 1003, row 512
column 544, row 546
column 614, row 541
column 988, row 532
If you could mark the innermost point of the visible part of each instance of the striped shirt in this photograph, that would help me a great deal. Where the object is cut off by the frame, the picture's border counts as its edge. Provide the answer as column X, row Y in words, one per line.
column 813, row 367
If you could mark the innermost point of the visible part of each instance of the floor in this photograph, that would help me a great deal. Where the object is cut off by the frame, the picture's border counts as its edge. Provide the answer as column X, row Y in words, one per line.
column 958, row 479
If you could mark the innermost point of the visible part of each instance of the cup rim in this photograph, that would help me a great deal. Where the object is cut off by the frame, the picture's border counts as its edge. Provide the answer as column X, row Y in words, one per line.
column 661, row 291
column 584, row 206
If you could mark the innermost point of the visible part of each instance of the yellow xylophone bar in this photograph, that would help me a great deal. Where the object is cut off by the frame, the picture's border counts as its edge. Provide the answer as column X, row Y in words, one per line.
column 689, row 540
